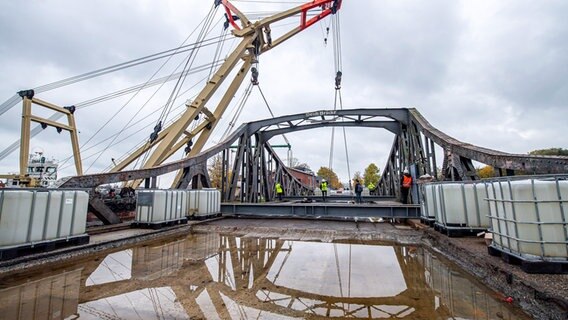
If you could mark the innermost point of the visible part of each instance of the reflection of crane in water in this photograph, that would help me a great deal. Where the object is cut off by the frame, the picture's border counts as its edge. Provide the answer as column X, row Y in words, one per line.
column 258, row 277
column 242, row 276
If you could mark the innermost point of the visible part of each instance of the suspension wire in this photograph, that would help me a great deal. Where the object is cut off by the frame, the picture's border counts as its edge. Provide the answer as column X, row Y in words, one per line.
column 218, row 51
column 338, row 76
column 12, row 101
column 189, row 62
column 145, row 104
column 345, row 142
column 9, row 104
column 167, row 53
column 119, row 93
column 207, row 27
column 237, row 110
column 152, row 83
column 129, row 136
column 332, row 146
column 271, row 113
column 337, row 42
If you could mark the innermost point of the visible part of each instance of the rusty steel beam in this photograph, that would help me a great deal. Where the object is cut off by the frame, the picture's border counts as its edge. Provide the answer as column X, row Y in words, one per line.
column 530, row 164
column 408, row 147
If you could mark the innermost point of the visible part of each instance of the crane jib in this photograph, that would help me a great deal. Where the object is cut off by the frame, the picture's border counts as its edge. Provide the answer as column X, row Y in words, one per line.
column 328, row 7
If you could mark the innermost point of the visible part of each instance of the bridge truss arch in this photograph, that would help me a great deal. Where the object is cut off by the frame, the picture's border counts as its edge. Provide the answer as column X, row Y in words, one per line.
column 250, row 175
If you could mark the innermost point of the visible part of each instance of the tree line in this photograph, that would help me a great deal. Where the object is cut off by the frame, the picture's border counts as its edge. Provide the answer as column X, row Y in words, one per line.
column 370, row 176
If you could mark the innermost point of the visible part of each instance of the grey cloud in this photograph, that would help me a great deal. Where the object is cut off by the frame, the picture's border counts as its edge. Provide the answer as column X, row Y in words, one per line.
column 406, row 46
column 495, row 79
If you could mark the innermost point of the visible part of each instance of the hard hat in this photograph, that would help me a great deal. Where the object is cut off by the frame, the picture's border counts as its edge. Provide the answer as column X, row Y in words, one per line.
column 405, row 171
column 322, row 180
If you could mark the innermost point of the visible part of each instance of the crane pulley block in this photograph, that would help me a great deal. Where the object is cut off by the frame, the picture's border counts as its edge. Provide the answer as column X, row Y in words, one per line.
column 157, row 129
column 230, row 20
column 338, row 76
column 26, row 93
column 254, row 76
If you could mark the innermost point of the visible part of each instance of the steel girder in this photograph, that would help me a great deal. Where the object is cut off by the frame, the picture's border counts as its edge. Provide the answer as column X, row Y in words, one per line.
column 414, row 146
column 530, row 164
column 259, row 168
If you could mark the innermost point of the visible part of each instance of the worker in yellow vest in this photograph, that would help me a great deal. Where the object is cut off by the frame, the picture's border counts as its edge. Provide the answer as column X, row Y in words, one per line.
column 323, row 187
column 279, row 191
column 371, row 187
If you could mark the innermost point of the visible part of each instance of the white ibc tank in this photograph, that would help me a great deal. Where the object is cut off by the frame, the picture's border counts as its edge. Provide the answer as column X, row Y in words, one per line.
column 156, row 206
column 528, row 217
column 193, row 202
column 430, row 198
column 437, row 203
column 463, row 204
column 209, row 202
column 204, row 202
column 31, row 216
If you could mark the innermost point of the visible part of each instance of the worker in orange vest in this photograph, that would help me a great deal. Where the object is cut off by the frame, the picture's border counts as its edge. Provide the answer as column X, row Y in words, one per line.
column 405, row 184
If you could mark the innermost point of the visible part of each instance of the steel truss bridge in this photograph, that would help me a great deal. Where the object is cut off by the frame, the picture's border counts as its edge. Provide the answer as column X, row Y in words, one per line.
column 254, row 166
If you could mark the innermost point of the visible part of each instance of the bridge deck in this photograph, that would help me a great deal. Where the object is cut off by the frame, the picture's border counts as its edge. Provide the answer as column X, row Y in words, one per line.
column 322, row 210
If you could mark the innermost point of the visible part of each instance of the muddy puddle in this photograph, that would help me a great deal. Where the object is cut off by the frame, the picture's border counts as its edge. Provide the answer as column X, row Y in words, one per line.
column 212, row 276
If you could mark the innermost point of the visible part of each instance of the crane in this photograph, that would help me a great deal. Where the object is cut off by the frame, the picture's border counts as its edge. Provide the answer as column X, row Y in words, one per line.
column 256, row 39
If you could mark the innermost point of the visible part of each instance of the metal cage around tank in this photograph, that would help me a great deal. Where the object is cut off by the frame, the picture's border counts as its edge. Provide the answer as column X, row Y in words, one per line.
column 529, row 217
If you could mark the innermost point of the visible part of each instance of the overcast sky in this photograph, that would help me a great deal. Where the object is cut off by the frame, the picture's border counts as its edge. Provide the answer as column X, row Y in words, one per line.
column 491, row 73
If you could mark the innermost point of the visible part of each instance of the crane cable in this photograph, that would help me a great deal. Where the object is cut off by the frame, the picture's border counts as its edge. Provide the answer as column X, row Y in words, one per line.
column 205, row 30
column 123, row 130
column 12, row 101
column 206, row 23
column 237, row 110
column 189, row 62
column 338, row 65
column 109, row 96
column 145, row 127
column 132, row 98
column 338, row 78
column 271, row 113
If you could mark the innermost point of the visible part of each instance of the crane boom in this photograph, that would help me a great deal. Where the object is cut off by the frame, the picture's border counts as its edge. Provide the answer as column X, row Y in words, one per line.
column 256, row 38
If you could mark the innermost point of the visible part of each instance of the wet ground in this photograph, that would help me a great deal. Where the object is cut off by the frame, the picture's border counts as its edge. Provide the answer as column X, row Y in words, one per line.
column 268, row 269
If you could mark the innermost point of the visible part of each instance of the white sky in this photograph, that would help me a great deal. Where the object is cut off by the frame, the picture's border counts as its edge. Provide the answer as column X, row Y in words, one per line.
column 490, row 73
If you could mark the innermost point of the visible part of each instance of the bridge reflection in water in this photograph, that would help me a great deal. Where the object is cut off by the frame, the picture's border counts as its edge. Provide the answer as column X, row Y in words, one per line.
column 225, row 277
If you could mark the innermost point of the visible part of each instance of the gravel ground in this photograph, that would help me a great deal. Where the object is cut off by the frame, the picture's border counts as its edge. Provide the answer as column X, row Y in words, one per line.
column 545, row 296
column 316, row 230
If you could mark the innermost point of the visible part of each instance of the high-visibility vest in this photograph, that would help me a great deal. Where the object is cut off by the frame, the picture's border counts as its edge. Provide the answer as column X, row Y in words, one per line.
column 323, row 186
column 406, row 181
column 371, row 186
column 279, row 188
